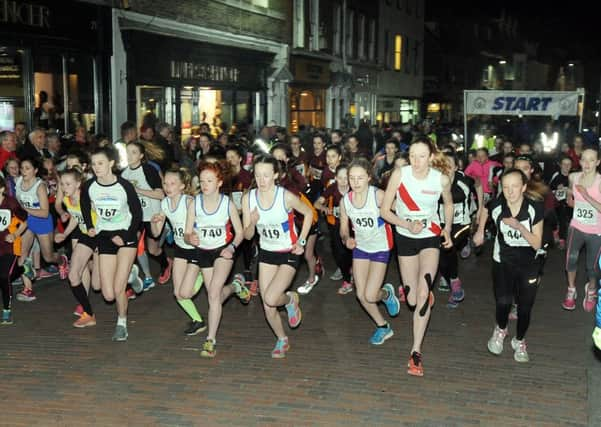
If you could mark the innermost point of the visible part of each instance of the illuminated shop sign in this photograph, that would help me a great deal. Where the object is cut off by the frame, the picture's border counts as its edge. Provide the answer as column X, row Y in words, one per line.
column 181, row 70
column 31, row 15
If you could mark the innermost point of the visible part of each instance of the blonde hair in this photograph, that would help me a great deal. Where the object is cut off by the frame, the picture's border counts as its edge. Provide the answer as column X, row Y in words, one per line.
column 153, row 151
column 439, row 159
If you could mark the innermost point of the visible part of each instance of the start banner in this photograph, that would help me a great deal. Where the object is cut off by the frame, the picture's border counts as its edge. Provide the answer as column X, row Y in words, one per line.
column 527, row 103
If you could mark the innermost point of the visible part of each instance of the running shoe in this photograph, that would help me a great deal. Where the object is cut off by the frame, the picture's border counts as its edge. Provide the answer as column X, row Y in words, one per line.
column 520, row 352
column 345, row 288
column 195, row 327
column 466, row 251
column 590, row 300
column 253, row 287
column 240, row 288
column 26, row 295
column 597, row 337
column 78, row 310
column 130, row 294
column 148, row 284
column 134, row 280
column 402, row 296
column 307, row 287
column 319, row 270
column 120, row 333
column 29, row 271
column 381, row 334
column 166, row 275
column 294, row 312
column 44, row 274
column 495, row 343
column 443, row 285
column 85, row 320
column 280, row 349
column 415, row 366
column 18, row 281
column 337, row 275
column 451, row 303
column 391, row 301
column 513, row 313
column 63, row 268
column 7, row 317
column 569, row 303
column 457, row 292
column 208, row 349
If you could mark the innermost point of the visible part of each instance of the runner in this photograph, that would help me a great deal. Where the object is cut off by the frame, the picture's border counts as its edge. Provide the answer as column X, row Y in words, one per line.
column 270, row 209
column 516, row 264
column 371, row 247
column 417, row 189
column 119, row 213
column 585, row 229
column 214, row 227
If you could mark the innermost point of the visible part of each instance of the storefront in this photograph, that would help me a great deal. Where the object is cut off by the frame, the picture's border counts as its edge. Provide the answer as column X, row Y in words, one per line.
column 54, row 64
column 187, row 83
column 365, row 83
column 307, row 93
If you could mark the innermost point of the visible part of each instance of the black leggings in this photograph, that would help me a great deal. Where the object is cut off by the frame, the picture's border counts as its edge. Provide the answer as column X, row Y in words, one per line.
column 520, row 281
column 342, row 255
column 448, row 257
column 9, row 271
column 564, row 215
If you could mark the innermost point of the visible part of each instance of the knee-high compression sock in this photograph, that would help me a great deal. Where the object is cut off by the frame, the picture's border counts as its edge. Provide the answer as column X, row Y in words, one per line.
column 80, row 294
column 161, row 259
column 143, row 261
column 188, row 304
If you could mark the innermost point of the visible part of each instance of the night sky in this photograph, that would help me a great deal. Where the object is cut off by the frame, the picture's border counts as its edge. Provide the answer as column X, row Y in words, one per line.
column 569, row 26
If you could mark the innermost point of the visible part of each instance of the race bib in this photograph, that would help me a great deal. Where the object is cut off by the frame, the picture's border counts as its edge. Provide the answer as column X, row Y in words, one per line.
column 458, row 213
column 316, row 173
column 5, row 218
column 301, row 168
column 584, row 213
column 143, row 202
column 561, row 194
column 512, row 236
column 336, row 211
column 237, row 199
column 27, row 202
column 270, row 233
column 211, row 237
column 109, row 210
column 417, row 217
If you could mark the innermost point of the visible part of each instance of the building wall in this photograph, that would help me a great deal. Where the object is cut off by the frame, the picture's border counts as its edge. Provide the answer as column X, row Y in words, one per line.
column 236, row 16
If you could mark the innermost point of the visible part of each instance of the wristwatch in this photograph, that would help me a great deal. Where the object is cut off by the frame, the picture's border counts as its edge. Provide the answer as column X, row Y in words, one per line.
column 302, row 242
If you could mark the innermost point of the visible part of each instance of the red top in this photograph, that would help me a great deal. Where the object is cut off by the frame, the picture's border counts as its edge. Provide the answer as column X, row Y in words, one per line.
column 575, row 158
column 242, row 181
column 5, row 155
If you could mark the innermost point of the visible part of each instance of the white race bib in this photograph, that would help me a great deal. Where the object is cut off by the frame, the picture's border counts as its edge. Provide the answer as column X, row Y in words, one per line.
column 109, row 210
column 512, row 236
column 5, row 218
column 561, row 194
column 458, row 213
column 417, row 217
column 584, row 213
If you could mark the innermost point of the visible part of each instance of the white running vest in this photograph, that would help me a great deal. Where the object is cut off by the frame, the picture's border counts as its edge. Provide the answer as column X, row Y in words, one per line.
column 138, row 179
column 277, row 232
column 372, row 233
column 417, row 200
column 214, row 229
column 177, row 219
column 28, row 198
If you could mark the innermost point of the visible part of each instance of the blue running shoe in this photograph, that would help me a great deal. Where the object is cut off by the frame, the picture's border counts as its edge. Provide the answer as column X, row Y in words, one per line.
column 148, row 284
column 393, row 306
column 381, row 335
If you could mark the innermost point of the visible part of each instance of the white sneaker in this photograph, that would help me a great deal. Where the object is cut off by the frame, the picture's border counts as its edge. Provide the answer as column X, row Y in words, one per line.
column 466, row 251
column 495, row 343
column 520, row 353
column 337, row 275
column 307, row 287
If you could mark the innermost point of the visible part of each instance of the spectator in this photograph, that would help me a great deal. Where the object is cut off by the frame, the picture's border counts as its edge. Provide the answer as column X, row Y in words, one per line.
column 35, row 148
column 162, row 140
column 8, row 145
column 21, row 133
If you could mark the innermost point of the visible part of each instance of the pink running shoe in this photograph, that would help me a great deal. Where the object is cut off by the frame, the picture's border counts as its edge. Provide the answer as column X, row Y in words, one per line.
column 590, row 300
column 402, row 296
column 569, row 303
column 63, row 268
column 294, row 312
column 164, row 278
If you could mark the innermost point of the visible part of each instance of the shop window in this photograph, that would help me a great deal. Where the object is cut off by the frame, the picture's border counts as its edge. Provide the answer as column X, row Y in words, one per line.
column 337, row 29
column 306, row 108
column 298, row 24
column 398, row 52
column 372, row 39
column 80, row 109
column 12, row 103
column 49, row 111
column 154, row 104
column 362, row 33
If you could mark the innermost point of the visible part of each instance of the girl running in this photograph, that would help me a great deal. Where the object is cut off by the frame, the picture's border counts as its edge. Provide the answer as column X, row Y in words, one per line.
column 119, row 212
column 329, row 204
column 213, row 226
column 417, row 189
column 371, row 247
column 32, row 194
column 147, row 183
column 515, row 269
column 11, row 214
column 585, row 229
column 81, row 273
column 270, row 210
column 187, row 279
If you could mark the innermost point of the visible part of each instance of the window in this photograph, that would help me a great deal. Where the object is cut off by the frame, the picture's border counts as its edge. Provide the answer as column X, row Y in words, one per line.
column 372, row 39
column 350, row 33
column 407, row 53
column 387, row 55
column 314, row 21
column 362, row 33
column 337, row 29
column 298, row 31
column 260, row 3
column 398, row 52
